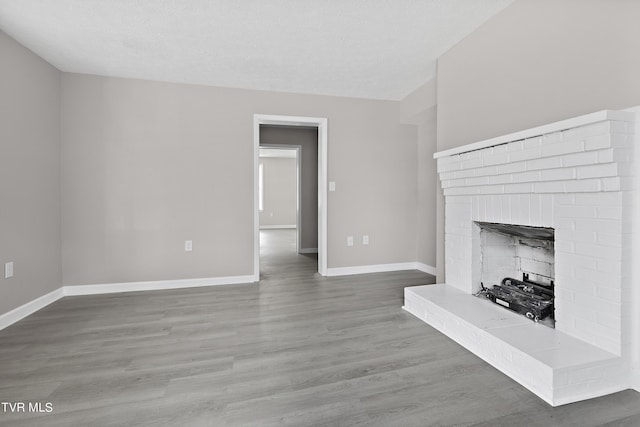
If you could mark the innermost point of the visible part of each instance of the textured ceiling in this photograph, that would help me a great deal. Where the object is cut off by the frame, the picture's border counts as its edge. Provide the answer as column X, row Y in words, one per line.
column 381, row 49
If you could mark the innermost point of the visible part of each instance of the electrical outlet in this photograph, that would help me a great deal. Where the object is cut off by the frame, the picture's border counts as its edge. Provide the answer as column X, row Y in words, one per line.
column 349, row 240
column 365, row 240
column 188, row 245
column 8, row 270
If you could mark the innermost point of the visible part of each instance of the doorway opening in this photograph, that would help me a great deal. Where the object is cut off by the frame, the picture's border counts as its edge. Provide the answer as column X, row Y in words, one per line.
column 262, row 124
column 280, row 187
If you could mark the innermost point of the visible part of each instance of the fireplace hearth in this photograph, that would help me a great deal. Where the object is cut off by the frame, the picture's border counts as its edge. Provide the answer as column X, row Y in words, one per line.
column 539, row 222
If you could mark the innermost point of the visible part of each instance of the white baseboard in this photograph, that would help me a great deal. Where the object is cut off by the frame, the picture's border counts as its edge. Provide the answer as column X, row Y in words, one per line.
column 276, row 227
column 425, row 268
column 108, row 288
column 380, row 268
column 308, row 251
column 31, row 307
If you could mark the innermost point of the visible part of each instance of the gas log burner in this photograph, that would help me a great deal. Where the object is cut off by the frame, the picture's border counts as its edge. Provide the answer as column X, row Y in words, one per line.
column 528, row 297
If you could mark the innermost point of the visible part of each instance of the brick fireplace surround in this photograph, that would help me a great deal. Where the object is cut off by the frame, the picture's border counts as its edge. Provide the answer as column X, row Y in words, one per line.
column 576, row 176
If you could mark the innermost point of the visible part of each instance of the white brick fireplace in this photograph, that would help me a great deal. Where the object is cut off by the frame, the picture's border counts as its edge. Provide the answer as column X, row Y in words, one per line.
column 575, row 177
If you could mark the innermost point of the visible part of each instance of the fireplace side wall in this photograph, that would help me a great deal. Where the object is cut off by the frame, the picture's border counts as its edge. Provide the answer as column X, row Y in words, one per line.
column 570, row 180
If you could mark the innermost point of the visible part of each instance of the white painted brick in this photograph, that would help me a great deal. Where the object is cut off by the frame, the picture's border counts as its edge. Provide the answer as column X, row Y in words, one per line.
column 597, row 171
column 597, row 304
column 582, row 225
column 577, row 261
column 609, row 293
column 576, row 236
column 583, row 310
column 487, row 170
column 532, row 153
column 498, row 149
column 532, row 142
column 472, row 163
column 558, row 174
column 570, row 211
column 475, row 181
column 607, row 199
column 599, row 278
column 609, row 239
column 611, row 184
column 469, row 191
column 565, row 199
column 549, row 187
column 526, row 176
column 564, row 147
column 621, row 141
column 596, row 251
column 469, row 155
column 597, row 142
column 462, row 174
column 586, row 375
column 500, row 179
column 612, row 266
column 492, row 189
column 565, row 246
column 535, row 205
column 522, row 188
column 617, row 126
column 515, row 146
column 447, row 175
column 583, row 185
column 552, row 138
column 544, row 163
column 579, row 159
column 589, row 130
column 609, row 212
column 512, row 167
column 495, row 159
column 548, row 210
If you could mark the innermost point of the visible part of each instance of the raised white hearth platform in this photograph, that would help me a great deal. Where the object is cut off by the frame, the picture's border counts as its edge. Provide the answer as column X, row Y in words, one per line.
column 553, row 365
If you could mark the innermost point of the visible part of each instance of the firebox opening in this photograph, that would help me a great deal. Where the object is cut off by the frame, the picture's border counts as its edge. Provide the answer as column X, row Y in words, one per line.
column 516, row 268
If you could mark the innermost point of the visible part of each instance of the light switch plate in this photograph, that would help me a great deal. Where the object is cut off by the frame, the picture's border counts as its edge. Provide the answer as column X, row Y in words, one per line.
column 188, row 245
column 8, row 270
column 332, row 186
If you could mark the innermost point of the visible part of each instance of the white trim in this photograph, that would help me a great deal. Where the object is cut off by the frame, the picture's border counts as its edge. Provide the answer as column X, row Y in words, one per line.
column 425, row 268
column 108, row 288
column 380, row 268
column 276, row 227
column 596, row 117
column 308, row 251
column 31, row 307
column 322, row 124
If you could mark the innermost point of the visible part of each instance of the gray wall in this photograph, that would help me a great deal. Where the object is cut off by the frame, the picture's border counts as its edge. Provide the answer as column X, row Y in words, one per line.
column 280, row 192
column 537, row 62
column 147, row 165
column 29, row 175
column 307, row 138
column 419, row 109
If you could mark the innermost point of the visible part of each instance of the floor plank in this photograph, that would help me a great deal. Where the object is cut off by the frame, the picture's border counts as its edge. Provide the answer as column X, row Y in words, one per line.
column 296, row 349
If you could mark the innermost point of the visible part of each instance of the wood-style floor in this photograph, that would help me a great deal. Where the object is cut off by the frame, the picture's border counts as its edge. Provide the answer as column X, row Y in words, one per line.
column 297, row 349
